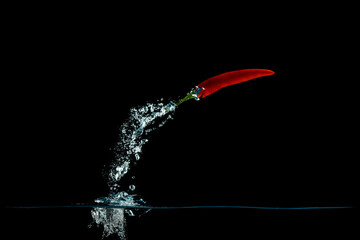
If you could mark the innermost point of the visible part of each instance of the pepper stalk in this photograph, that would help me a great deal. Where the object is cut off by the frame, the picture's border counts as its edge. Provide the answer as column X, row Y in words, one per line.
column 195, row 93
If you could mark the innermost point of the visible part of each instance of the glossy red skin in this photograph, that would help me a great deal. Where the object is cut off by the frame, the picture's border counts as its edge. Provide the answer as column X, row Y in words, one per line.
column 215, row 83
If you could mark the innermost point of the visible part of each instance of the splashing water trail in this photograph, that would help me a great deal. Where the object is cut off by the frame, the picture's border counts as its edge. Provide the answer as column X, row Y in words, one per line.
column 133, row 135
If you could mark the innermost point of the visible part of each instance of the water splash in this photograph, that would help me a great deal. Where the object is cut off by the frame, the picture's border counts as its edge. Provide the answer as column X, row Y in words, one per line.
column 113, row 219
column 134, row 134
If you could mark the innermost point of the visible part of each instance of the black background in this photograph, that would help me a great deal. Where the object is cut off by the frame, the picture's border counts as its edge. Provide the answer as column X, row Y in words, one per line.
column 287, row 140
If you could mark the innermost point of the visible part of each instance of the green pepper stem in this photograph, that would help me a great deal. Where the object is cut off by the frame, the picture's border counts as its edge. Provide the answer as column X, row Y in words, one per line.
column 195, row 93
column 188, row 97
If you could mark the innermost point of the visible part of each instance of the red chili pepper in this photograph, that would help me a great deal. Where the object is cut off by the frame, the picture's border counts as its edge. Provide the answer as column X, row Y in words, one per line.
column 215, row 83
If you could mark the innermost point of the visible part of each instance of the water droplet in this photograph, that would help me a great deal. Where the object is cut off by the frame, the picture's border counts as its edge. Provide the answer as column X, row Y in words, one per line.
column 117, row 176
column 137, row 149
column 130, row 212
column 132, row 187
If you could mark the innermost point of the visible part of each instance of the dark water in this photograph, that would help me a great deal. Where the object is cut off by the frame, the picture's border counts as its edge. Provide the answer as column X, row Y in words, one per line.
column 186, row 207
